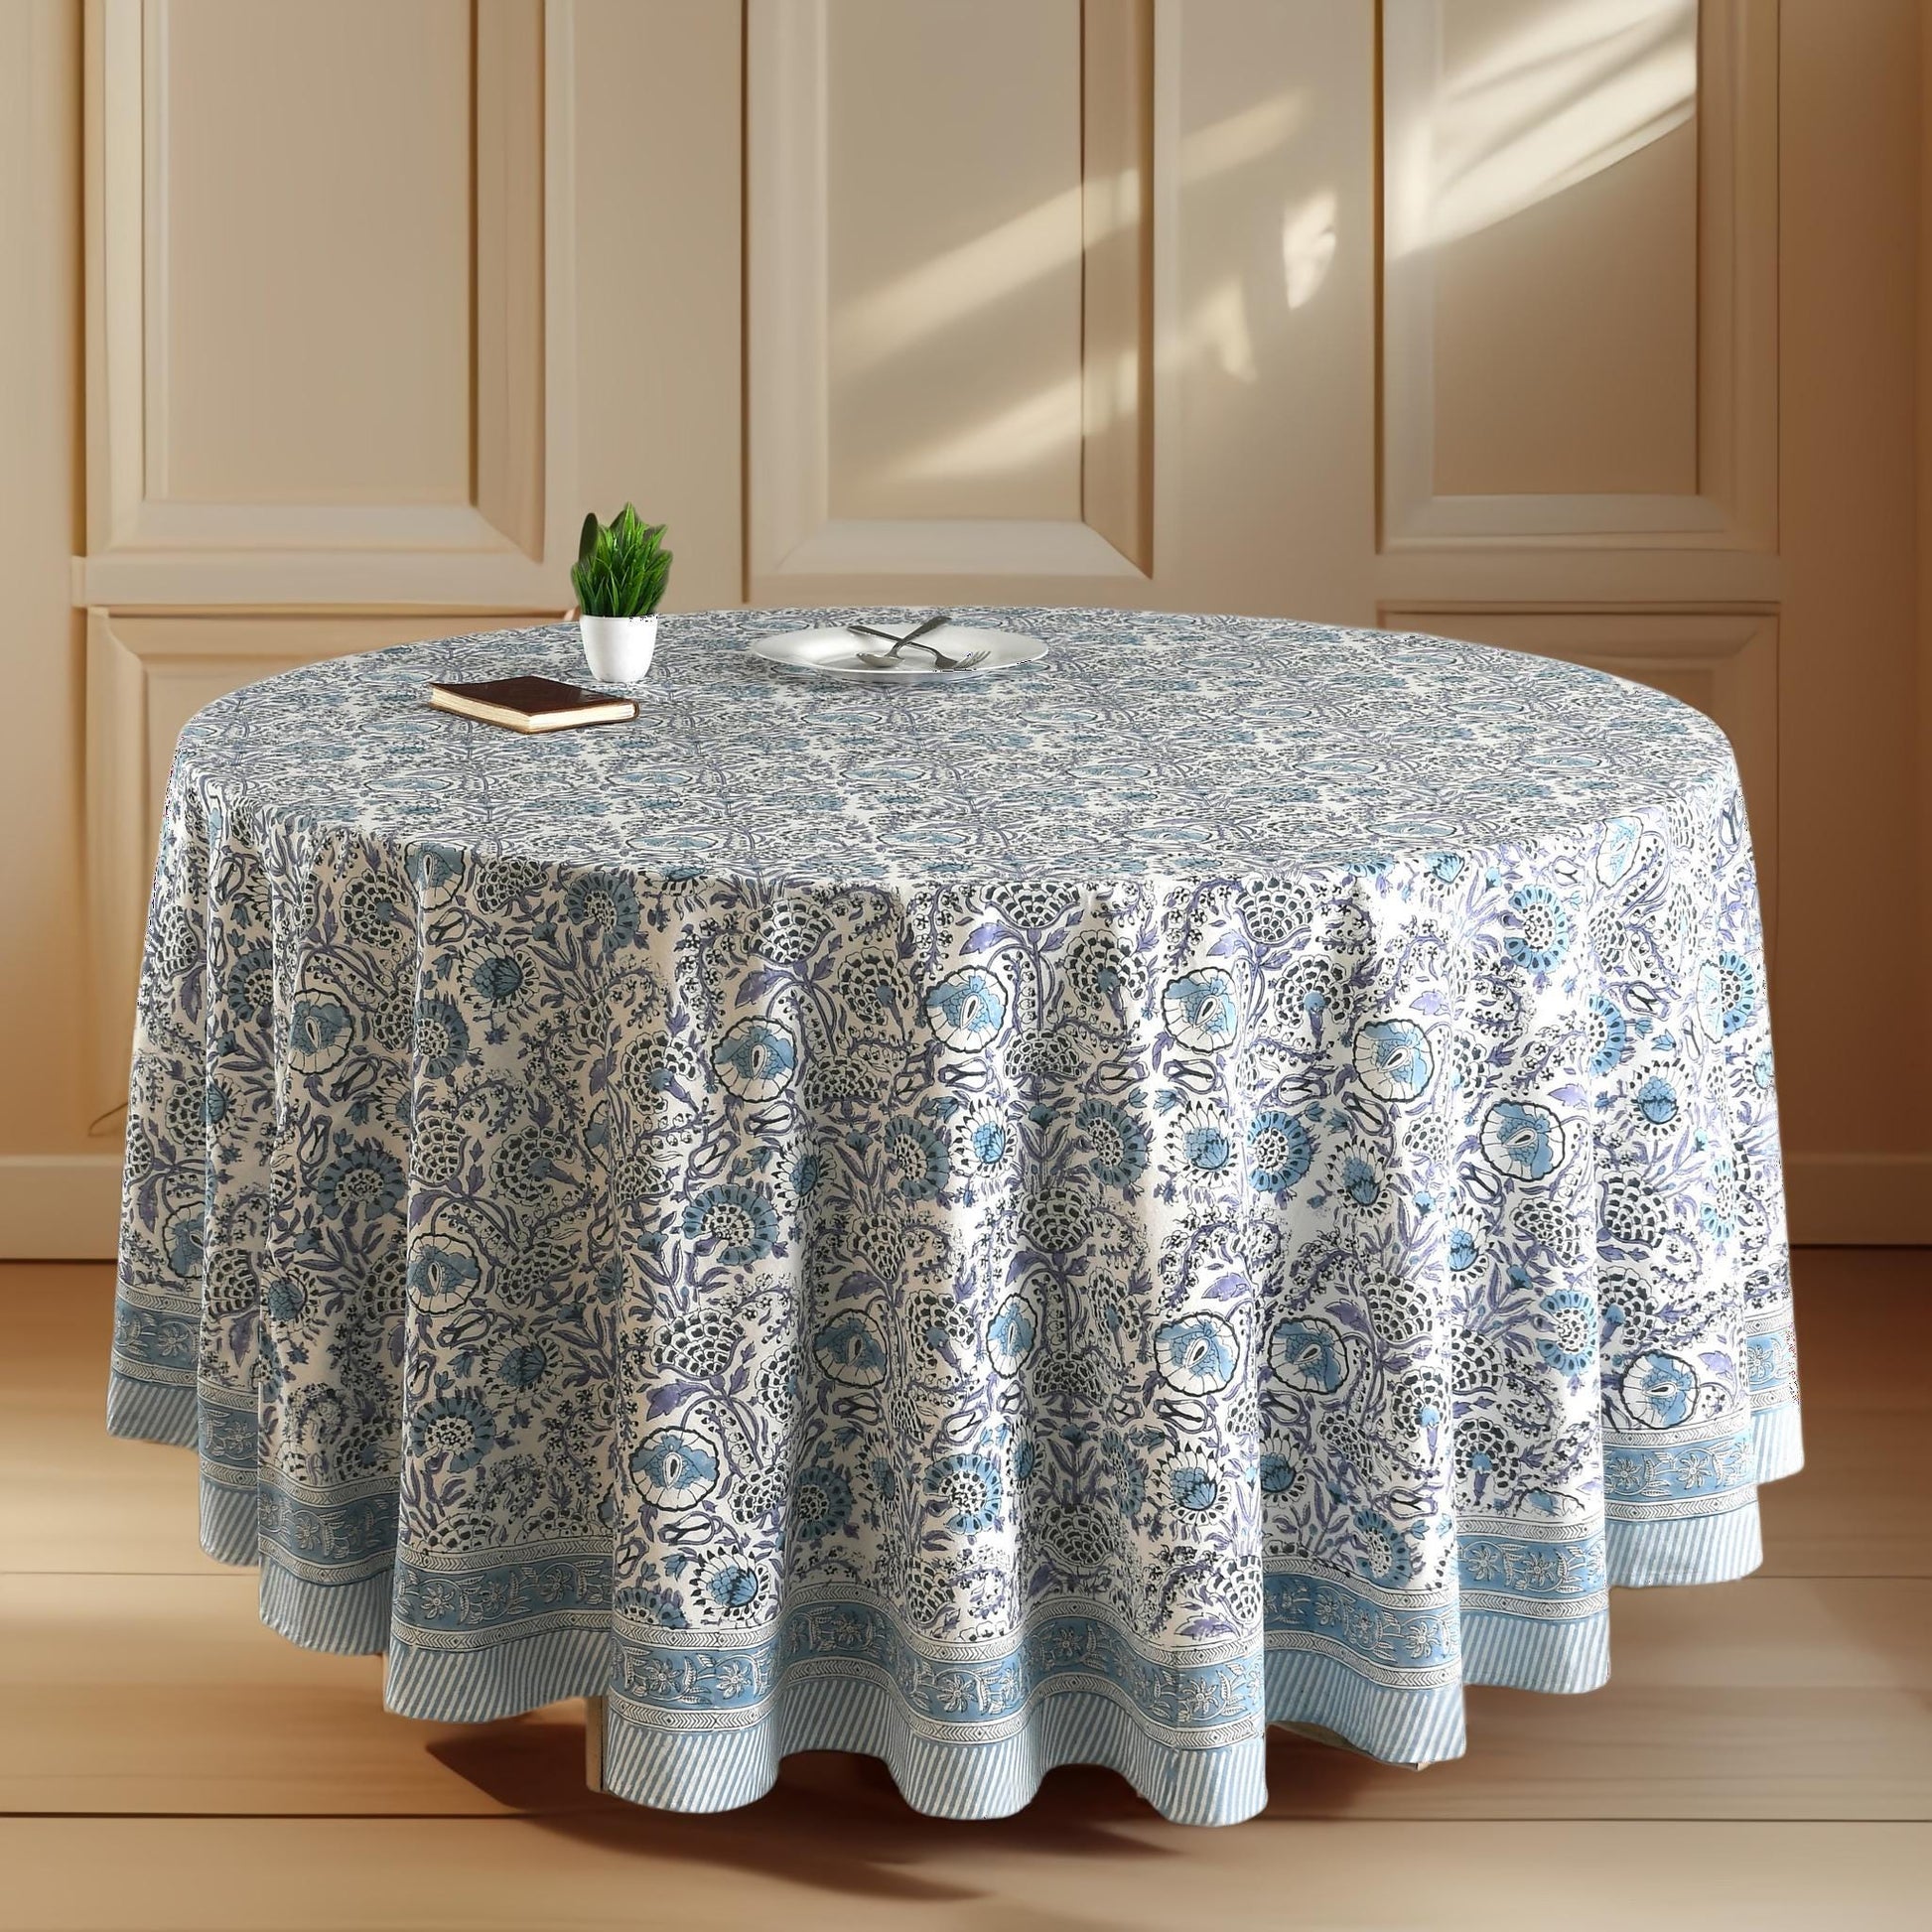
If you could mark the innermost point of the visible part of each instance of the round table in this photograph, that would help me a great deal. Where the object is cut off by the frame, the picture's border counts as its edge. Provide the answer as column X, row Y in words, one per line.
column 1226, row 1177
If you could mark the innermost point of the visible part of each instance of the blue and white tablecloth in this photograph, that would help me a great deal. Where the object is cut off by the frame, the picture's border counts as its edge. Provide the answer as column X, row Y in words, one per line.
column 1227, row 1177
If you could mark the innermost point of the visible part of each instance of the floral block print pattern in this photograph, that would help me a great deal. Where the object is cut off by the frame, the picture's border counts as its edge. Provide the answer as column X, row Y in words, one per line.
column 1228, row 1177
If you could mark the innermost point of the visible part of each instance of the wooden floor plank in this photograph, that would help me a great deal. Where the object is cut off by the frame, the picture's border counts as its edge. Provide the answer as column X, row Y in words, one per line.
column 71, row 1497
column 1861, row 1507
column 167, row 1694
column 813, row 1862
column 1771, row 1698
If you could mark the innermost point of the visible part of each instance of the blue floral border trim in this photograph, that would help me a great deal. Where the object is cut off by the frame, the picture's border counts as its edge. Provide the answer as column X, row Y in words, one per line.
column 698, row 1721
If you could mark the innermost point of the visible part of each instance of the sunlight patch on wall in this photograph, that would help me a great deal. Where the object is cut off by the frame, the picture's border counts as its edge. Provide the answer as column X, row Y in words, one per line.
column 954, row 285
column 1015, row 439
column 1576, row 87
column 1308, row 247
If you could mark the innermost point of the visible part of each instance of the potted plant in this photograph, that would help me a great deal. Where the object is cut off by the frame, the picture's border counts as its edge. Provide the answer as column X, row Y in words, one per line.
column 620, row 574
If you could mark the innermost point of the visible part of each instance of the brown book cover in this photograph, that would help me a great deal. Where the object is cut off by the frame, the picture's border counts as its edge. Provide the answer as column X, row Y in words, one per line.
column 532, row 704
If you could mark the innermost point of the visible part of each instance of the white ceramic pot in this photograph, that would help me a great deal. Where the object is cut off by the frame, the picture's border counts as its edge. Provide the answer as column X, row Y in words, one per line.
column 618, row 649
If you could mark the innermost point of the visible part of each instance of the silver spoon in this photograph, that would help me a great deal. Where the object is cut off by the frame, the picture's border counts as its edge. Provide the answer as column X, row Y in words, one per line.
column 887, row 660
column 884, row 660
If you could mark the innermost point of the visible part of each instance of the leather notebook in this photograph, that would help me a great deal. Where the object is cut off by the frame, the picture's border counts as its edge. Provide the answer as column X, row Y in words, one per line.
column 532, row 704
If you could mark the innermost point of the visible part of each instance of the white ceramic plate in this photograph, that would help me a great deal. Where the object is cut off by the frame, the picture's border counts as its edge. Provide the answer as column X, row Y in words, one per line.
column 835, row 651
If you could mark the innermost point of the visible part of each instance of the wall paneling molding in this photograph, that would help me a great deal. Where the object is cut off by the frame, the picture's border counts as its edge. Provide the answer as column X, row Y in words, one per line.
column 479, row 507
column 1724, row 77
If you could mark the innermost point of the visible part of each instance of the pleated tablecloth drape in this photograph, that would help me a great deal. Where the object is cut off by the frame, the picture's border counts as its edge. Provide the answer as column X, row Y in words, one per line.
column 1227, row 1177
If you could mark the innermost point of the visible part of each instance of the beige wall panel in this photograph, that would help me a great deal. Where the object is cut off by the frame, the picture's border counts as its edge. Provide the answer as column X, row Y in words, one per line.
column 327, row 360
column 328, row 274
column 953, row 257
column 1565, row 248
column 42, row 1009
column 1254, row 365
column 1580, row 276
column 1854, row 1057
column 1566, row 338
column 919, row 368
column 656, row 353
column 1267, row 362
column 1117, row 284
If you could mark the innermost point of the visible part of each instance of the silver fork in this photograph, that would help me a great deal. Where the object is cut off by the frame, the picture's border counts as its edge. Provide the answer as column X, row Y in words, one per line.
column 885, row 661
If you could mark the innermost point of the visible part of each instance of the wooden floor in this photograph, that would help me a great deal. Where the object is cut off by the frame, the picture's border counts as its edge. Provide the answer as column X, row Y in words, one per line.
column 1762, row 1758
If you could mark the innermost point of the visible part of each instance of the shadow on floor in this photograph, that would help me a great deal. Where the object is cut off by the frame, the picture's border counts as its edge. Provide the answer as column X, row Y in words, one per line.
column 837, row 1822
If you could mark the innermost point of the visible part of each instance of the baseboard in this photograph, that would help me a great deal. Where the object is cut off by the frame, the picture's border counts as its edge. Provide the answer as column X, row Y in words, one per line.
column 59, row 1206
column 65, row 1207
column 1859, row 1201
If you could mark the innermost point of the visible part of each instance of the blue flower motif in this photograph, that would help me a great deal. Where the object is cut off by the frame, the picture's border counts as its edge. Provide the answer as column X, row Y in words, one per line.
column 656, row 1604
column 1116, row 1139
column 1462, row 1249
column 1609, row 1036
column 1128, row 1466
column 1719, row 1215
column 1387, row 1560
column 675, row 1466
column 732, row 1586
column 1573, row 1314
column 1622, row 841
column 1012, row 1333
column 968, row 1008
column 1657, row 1101
column 285, row 1298
column 1206, row 1142
column 1708, row 999
column 969, row 1491
column 1280, row 1151
column 756, row 1059
column 849, row 1351
column 1360, row 1183
column 320, row 1031
column 1393, row 1060
column 989, row 1141
column 918, row 1156
column 1523, row 1139
column 1197, row 1354
column 1199, row 1007
column 1276, row 1475
column 523, row 1366
column 1543, row 928
column 363, row 1180
column 1659, row 1389
column 607, row 903
column 737, row 1222
column 456, row 1426
column 1738, row 991
column 821, row 1500
column 443, row 1272
column 496, row 979
column 434, row 868
column 1193, row 1485
column 441, row 1037
column 1306, row 1353
column 182, row 1243
column 252, row 984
